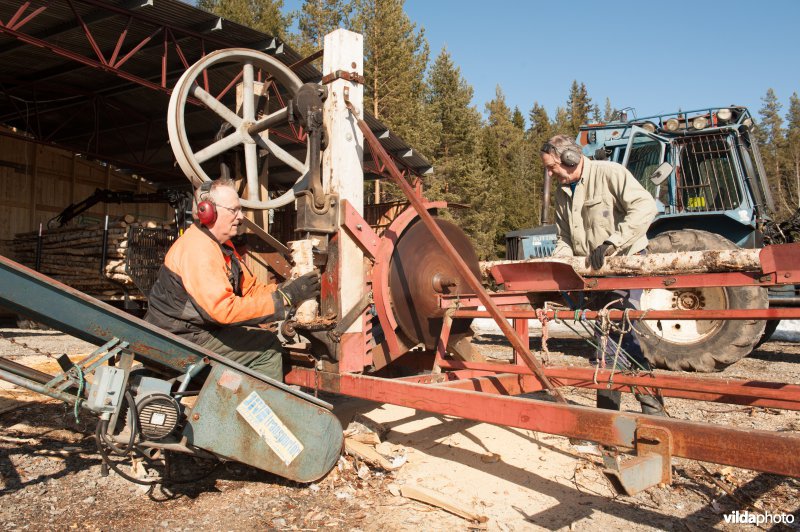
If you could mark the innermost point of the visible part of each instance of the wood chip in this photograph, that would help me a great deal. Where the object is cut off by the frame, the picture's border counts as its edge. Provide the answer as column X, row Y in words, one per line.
column 367, row 453
column 433, row 498
column 20, row 441
column 368, row 438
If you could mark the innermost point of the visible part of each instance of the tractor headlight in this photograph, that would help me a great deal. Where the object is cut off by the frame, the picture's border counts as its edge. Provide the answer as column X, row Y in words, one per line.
column 649, row 127
column 672, row 124
column 724, row 114
column 699, row 122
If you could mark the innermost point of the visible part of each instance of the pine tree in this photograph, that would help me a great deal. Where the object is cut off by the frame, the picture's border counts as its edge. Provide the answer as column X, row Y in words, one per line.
column 579, row 108
column 562, row 125
column 770, row 134
column 261, row 15
column 458, row 175
column 508, row 163
column 317, row 18
column 395, row 59
column 517, row 119
column 609, row 112
column 793, row 145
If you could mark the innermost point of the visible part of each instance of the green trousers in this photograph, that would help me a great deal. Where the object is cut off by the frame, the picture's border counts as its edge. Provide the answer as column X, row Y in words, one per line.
column 252, row 347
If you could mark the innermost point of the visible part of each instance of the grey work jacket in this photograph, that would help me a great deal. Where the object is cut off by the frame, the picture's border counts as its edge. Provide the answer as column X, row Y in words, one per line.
column 608, row 205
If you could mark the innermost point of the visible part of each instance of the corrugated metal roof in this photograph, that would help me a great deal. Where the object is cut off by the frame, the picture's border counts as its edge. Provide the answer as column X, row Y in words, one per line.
column 58, row 84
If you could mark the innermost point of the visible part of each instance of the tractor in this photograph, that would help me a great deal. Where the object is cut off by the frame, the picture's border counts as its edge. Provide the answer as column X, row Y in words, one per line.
column 715, row 195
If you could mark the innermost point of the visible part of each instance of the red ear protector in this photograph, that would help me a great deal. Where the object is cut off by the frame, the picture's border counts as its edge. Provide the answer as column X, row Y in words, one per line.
column 206, row 211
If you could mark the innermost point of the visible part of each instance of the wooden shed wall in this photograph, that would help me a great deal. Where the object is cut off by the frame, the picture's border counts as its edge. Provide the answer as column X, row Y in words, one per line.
column 38, row 181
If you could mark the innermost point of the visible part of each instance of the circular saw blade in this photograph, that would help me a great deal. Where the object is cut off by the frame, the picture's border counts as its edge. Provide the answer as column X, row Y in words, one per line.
column 418, row 272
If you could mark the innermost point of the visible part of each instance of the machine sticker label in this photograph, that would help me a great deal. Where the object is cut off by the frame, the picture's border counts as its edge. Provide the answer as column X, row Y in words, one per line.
column 264, row 421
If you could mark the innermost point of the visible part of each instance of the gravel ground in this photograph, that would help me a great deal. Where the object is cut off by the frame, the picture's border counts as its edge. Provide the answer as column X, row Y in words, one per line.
column 52, row 479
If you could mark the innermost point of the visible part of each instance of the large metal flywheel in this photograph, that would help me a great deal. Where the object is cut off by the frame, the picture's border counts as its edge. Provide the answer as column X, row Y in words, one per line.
column 207, row 94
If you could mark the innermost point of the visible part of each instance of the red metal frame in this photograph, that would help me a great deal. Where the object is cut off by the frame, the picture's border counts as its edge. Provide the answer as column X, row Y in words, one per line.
column 763, row 451
column 485, row 392
column 781, row 313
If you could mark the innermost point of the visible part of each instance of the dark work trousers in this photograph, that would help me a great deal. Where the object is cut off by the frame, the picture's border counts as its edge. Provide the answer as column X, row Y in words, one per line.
column 252, row 347
column 630, row 357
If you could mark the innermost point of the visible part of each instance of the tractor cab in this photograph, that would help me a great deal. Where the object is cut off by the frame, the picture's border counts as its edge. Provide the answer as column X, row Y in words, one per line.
column 718, row 183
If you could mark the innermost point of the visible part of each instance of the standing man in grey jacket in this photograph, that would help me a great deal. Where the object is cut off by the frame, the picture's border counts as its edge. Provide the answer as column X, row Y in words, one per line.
column 602, row 210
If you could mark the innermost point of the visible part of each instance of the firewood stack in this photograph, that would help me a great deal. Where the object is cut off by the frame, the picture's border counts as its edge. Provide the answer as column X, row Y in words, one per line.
column 72, row 255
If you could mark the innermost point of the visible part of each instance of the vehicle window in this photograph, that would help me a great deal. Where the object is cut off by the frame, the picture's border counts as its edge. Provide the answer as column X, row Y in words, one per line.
column 708, row 174
column 644, row 158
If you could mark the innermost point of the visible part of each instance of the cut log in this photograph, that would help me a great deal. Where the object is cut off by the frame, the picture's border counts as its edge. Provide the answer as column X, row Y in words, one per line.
column 711, row 261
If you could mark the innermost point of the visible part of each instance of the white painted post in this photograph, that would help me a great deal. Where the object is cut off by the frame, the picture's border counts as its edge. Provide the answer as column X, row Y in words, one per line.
column 342, row 165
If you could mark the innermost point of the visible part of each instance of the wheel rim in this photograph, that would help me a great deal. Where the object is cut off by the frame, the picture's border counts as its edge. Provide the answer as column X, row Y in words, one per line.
column 247, row 130
column 684, row 332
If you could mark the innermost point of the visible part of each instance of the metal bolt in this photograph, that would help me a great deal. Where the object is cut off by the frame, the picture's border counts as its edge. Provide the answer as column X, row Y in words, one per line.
column 196, row 417
column 787, row 275
column 358, row 226
column 353, row 65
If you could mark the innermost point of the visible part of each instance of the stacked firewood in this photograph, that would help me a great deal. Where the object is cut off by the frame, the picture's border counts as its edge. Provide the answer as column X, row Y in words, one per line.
column 73, row 256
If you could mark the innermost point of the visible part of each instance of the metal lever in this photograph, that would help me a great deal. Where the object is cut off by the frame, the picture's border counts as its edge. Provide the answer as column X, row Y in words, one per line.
column 361, row 305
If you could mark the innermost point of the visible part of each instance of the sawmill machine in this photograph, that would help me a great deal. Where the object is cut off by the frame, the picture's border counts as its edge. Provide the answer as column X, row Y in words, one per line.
column 393, row 323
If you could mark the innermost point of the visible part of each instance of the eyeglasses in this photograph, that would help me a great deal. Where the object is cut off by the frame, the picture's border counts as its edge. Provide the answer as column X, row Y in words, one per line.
column 235, row 211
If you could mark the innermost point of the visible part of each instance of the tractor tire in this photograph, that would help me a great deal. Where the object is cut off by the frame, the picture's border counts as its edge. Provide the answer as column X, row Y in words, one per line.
column 701, row 345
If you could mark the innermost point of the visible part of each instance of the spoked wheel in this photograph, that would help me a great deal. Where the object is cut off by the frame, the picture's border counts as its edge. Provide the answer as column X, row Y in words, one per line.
column 211, row 86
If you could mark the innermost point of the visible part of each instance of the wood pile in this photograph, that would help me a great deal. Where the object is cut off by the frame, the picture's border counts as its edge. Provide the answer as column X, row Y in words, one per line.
column 72, row 255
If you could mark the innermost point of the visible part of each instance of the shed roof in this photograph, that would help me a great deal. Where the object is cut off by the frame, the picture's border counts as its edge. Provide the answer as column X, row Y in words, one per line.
column 95, row 76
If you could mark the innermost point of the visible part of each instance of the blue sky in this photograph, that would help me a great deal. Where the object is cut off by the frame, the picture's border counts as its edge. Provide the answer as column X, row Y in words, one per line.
column 653, row 56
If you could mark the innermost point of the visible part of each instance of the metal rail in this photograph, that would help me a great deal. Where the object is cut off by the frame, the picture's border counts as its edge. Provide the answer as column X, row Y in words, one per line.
column 750, row 449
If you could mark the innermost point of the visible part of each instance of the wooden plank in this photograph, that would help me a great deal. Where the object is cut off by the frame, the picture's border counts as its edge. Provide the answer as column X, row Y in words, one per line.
column 418, row 493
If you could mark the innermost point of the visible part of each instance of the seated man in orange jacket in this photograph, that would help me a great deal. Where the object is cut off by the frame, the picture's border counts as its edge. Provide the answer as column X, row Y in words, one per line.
column 205, row 294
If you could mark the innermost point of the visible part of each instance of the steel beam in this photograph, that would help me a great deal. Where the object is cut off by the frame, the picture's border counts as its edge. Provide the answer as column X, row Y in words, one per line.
column 568, row 315
column 733, row 391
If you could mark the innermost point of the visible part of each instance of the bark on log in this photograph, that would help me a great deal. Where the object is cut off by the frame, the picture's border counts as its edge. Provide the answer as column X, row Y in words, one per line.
column 710, row 261
column 72, row 255
column 303, row 256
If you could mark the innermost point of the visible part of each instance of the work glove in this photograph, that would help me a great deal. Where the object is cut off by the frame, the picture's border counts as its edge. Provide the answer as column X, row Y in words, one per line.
column 298, row 290
column 598, row 256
